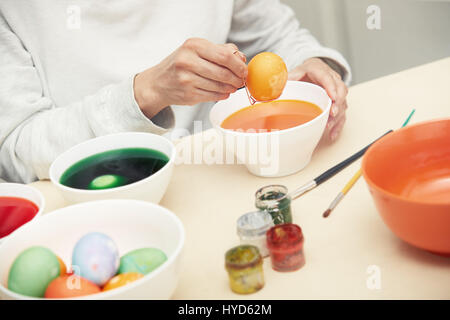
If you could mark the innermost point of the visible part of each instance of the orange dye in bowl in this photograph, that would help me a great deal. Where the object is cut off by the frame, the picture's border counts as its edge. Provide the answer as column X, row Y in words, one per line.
column 14, row 212
column 273, row 115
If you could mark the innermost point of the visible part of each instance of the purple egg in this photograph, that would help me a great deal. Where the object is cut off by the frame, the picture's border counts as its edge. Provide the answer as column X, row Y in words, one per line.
column 96, row 258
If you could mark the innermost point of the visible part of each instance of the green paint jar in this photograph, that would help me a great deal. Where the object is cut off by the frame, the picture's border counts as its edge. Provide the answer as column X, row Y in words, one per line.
column 275, row 199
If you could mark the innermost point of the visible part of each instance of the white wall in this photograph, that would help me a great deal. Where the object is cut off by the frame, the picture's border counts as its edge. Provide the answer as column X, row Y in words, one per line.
column 412, row 32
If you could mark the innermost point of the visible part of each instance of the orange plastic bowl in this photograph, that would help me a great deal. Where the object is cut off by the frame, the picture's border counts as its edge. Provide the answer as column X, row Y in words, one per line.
column 408, row 174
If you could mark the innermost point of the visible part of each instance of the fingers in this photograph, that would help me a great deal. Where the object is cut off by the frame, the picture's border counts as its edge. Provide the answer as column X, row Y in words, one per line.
column 336, row 122
column 320, row 73
column 215, row 72
column 236, row 51
column 223, row 63
column 341, row 88
column 212, row 85
column 297, row 74
column 205, row 95
column 333, row 129
column 322, row 77
column 222, row 55
column 336, row 130
column 232, row 46
column 338, row 110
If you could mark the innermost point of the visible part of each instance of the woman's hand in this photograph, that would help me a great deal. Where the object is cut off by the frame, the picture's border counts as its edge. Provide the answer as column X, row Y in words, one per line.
column 316, row 71
column 196, row 72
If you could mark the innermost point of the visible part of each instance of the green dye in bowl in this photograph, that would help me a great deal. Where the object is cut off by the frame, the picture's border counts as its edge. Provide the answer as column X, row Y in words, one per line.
column 114, row 168
column 107, row 181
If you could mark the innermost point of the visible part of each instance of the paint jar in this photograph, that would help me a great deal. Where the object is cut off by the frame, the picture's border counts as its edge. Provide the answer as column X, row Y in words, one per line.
column 244, row 266
column 285, row 244
column 275, row 199
column 252, row 228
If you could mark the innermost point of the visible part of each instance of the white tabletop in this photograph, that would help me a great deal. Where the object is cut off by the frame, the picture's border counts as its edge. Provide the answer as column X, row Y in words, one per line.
column 352, row 254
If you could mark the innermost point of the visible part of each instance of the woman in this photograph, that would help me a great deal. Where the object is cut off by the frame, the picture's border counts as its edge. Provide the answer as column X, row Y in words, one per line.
column 73, row 72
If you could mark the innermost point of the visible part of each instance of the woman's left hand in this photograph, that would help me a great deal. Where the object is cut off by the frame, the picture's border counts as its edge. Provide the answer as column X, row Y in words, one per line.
column 316, row 71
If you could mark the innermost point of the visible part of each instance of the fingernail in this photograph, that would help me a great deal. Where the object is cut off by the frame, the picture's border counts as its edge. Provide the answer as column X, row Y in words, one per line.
column 241, row 56
column 333, row 95
column 334, row 110
column 330, row 124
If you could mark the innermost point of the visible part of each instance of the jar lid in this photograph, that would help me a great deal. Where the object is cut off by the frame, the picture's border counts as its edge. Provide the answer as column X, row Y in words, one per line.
column 270, row 197
column 284, row 236
column 243, row 256
column 254, row 223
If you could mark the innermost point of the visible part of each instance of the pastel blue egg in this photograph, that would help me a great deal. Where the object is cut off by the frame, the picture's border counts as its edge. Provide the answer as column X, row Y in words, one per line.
column 96, row 258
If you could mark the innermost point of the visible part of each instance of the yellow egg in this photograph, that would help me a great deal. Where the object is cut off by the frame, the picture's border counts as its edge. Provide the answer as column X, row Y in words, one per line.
column 62, row 266
column 267, row 76
column 121, row 280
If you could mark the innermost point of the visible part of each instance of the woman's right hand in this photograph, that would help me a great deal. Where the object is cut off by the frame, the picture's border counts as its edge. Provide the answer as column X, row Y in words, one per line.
column 198, row 71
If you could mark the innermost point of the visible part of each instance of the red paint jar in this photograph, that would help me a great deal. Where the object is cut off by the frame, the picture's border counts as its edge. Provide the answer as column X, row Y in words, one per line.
column 285, row 244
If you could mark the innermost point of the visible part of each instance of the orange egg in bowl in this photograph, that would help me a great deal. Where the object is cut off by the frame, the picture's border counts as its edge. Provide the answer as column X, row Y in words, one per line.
column 267, row 76
column 152, row 226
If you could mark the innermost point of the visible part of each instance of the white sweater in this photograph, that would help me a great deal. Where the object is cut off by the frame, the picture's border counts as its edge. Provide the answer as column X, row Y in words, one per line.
column 66, row 67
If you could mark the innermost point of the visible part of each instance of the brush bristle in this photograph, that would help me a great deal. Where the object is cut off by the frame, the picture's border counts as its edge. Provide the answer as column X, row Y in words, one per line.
column 326, row 213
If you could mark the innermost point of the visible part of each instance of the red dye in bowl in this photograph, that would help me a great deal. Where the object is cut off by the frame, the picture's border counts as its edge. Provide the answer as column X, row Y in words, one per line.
column 14, row 212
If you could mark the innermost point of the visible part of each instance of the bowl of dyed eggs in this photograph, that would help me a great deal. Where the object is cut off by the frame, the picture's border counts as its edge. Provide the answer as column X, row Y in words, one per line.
column 131, row 165
column 107, row 249
column 408, row 175
column 19, row 204
column 275, row 138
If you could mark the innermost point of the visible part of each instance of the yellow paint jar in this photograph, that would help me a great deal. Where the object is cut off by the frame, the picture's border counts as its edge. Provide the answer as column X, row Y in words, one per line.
column 245, row 271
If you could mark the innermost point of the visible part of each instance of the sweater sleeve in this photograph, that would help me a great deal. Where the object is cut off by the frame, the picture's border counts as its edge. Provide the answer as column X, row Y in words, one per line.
column 34, row 131
column 268, row 25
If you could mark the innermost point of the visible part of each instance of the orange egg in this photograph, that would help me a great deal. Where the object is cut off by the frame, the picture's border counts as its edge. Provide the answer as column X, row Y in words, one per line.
column 70, row 286
column 267, row 76
column 121, row 280
column 62, row 267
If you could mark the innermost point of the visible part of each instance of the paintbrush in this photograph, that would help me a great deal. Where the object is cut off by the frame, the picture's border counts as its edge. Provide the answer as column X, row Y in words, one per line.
column 331, row 172
column 353, row 180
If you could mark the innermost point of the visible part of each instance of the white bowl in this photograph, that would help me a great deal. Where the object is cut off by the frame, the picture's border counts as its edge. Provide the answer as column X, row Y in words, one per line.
column 276, row 153
column 132, row 224
column 18, row 190
column 150, row 189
